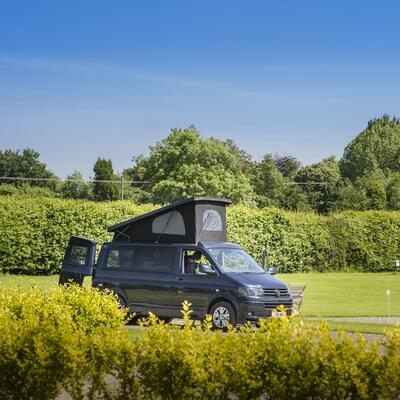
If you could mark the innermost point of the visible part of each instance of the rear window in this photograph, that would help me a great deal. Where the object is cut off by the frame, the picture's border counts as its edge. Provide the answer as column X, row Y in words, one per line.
column 143, row 259
column 77, row 255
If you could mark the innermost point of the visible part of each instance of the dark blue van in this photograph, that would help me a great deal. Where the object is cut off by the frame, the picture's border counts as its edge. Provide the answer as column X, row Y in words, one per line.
column 177, row 253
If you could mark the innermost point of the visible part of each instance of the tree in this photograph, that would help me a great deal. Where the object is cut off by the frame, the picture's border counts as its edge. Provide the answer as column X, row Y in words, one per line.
column 184, row 164
column 375, row 192
column 269, row 183
column 320, row 182
column 294, row 198
column 275, row 189
column 374, row 150
column 366, row 193
column 134, row 192
column 351, row 197
column 104, row 191
column 75, row 187
column 393, row 192
column 287, row 165
column 25, row 164
column 26, row 190
column 245, row 159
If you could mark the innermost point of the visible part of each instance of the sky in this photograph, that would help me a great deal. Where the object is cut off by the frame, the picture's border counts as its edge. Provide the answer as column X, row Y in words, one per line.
column 86, row 79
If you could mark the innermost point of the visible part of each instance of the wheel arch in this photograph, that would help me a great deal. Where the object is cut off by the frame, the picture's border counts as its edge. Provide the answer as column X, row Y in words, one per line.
column 120, row 293
column 228, row 299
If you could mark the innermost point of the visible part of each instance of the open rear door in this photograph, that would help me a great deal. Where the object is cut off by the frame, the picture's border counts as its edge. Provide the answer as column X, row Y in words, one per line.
column 79, row 260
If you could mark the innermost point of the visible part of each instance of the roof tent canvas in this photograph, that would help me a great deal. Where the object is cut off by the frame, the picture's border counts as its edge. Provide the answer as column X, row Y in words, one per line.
column 198, row 219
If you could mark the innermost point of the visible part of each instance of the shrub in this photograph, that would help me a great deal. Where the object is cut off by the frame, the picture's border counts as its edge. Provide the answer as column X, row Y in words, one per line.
column 35, row 233
column 44, row 338
column 54, row 342
column 301, row 242
column 280, row 360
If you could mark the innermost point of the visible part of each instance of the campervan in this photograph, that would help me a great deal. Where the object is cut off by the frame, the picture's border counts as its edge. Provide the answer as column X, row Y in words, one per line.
column 179, row 252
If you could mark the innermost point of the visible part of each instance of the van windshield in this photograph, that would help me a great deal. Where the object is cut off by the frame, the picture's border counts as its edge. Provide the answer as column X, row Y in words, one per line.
column 235, row 260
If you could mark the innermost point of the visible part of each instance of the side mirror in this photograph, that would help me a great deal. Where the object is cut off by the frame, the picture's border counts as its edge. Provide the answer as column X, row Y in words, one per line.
column 206, row 269
column 272, row 270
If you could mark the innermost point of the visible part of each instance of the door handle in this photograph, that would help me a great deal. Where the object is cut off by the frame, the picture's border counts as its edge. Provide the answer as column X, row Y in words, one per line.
column 179, row 278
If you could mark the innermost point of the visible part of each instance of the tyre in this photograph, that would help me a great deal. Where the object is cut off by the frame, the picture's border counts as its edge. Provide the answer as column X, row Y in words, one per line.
column 223, row 314
column 165, row 319
column 133, row 320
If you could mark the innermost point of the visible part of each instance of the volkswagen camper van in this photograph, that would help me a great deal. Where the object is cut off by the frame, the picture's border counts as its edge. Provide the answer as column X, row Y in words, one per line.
column 179, row 252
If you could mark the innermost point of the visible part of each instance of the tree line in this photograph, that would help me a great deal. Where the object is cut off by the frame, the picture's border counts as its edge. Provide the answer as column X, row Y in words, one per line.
column 185, row 164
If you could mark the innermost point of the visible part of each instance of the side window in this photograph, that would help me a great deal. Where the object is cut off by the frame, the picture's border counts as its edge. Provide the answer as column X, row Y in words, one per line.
column 113, row 259
column 142, row 259
column 192, row 260
column 119, row 258
column 78, row 255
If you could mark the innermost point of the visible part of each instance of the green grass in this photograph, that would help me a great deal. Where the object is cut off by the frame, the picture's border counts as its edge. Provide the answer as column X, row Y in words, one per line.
column 25, row 281
column 348, row 294
column 356, row 327
column 338, row 294
column 345, row 294
column 135, row 333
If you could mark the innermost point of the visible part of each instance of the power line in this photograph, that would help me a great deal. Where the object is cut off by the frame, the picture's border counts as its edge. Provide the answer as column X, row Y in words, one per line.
column 306, row 183
column 20, row 178
column 120, row 181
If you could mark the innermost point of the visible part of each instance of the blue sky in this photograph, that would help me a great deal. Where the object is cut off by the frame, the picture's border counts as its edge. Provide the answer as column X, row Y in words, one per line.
column 82, row 79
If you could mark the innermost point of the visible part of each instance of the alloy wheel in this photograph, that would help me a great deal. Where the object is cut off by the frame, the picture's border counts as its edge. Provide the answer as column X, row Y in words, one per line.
column 221, row 317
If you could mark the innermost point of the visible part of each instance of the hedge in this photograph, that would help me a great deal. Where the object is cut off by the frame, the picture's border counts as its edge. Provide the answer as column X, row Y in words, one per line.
column 54, row 343
column 35, row 232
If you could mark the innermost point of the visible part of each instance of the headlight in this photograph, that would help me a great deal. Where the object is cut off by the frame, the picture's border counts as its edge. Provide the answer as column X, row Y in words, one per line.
column 250, row 291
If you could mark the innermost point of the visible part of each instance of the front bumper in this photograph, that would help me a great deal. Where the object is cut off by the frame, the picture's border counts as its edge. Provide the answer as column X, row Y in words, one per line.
column 250, row 310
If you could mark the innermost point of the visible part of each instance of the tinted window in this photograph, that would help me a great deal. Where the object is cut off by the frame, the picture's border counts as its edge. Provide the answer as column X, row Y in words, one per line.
column 146, row 258
column 77, row 255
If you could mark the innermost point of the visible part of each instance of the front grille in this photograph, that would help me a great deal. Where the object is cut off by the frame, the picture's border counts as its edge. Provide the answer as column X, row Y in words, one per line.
column 276, row 292
column 273, row 306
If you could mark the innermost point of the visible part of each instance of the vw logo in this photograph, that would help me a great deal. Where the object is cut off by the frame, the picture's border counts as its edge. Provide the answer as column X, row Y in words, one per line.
column 277, row 292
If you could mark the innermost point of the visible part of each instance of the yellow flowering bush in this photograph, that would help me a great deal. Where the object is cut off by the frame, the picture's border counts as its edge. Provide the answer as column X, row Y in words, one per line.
column 72, row 340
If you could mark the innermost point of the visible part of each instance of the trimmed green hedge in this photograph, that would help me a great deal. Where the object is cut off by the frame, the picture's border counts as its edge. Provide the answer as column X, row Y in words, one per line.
column 35, row 232
column 300, row 242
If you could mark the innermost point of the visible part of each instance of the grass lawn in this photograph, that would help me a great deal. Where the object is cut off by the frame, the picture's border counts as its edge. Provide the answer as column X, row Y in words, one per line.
column 350, row 294
column 356, row 327
column 25, row 281
column 327, row 294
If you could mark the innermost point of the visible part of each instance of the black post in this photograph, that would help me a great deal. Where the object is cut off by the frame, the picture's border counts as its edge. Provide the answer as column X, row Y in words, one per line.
column 265, row 258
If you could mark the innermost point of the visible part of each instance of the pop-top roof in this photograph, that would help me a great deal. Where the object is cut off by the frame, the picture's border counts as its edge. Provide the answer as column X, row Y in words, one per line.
column 186, row 221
